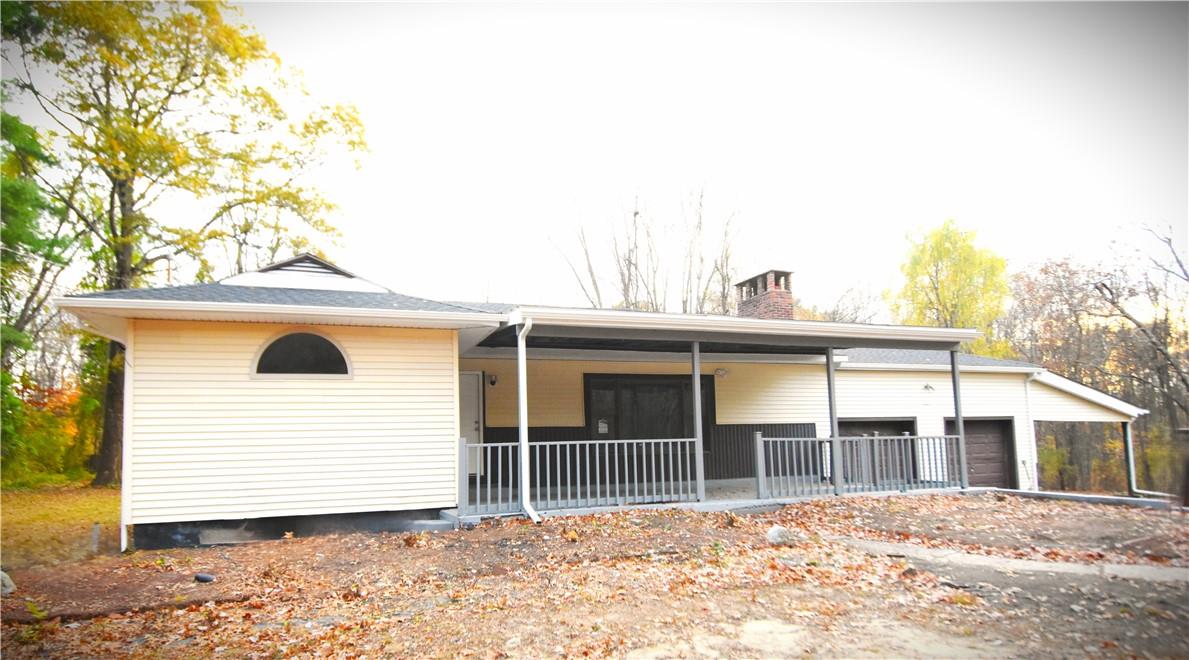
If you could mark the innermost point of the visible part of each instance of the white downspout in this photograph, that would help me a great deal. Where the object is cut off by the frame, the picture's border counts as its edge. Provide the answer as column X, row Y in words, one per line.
column 128, row 436
column 522, row 416
column 1129, row 455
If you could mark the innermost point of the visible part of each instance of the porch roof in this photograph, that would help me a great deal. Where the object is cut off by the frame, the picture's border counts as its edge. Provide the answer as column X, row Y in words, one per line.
column 593, row 329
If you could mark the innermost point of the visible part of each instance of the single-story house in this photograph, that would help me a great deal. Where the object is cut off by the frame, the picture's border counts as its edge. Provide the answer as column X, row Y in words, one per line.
column 303, row 390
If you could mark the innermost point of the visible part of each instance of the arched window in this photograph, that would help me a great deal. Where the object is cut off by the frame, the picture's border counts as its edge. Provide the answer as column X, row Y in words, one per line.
column 302, row 353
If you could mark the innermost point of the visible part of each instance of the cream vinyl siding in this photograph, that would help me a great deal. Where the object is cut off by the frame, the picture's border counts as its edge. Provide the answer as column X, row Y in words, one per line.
column 1053, row 405
column 212, row 440
column 749, row 393
column 555, row 389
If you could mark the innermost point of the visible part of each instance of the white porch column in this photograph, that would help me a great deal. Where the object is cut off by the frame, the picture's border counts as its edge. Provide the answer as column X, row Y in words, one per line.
column 835, row 443
column 958, row 425
column 699, row 459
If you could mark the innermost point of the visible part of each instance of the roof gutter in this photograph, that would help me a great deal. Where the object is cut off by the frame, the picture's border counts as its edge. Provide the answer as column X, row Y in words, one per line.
column 906, row 366
column 602, row 318
column 186, row 310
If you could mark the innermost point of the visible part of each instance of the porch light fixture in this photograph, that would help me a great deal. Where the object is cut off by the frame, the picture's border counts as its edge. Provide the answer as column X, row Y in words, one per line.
column 492, row 380
column 721, row 373
column 928, row 387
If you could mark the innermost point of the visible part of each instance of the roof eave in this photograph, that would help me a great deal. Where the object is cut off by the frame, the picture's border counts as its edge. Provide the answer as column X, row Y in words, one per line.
column 1090, row 394
column 230, row 311
column 615, row 319
column 972, row 368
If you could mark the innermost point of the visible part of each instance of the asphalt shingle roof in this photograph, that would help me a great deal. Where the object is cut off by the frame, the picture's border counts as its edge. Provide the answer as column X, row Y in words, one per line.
column 225, row 293
column 260, row 295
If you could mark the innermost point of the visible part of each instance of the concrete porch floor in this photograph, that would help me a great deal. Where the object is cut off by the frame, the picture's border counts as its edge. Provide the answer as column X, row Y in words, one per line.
column 730, row 489
column 721, row 495
column 549, row 498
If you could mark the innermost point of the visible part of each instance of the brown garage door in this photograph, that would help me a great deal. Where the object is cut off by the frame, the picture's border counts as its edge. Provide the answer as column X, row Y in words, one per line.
column 990, row 455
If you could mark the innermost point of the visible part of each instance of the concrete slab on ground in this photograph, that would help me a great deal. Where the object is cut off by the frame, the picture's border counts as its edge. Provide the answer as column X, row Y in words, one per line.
column 957, row 557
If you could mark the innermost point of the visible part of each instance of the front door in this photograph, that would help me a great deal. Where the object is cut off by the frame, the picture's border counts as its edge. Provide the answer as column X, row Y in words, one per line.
column 470, row 414
column 644, row 407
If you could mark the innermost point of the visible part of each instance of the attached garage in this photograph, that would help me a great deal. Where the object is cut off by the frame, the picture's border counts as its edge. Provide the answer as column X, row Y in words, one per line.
column 990, row 451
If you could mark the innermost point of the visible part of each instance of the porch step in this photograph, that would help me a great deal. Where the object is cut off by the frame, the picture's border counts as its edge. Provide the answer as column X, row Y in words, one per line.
column 439, row 525
column 454, row 520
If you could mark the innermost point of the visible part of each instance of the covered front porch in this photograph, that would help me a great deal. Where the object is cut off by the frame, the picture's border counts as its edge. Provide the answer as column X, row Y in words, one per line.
column 641, row 433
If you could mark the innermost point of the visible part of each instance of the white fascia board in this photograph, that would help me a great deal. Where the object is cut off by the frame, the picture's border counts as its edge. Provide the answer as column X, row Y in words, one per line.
column 508, row 353
column 88, row 308
column 964, row 368
column 1090, row 394
column 604, row 318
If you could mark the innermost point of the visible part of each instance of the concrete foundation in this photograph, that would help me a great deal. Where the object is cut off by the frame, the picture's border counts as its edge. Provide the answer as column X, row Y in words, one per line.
column 157, row 536
column 1115, row 500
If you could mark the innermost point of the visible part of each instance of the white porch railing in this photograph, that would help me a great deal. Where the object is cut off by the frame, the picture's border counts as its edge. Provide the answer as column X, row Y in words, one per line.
column 575, row 474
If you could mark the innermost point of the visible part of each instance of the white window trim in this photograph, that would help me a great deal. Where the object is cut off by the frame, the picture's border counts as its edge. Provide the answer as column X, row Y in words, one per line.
column 255, row 375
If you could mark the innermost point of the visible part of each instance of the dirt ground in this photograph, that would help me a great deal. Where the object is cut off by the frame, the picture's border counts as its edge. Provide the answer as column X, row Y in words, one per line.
column 641, row 584
column 996, row 523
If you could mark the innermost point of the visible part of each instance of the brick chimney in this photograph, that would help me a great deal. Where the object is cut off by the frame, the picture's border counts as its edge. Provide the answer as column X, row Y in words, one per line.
column 766, row 296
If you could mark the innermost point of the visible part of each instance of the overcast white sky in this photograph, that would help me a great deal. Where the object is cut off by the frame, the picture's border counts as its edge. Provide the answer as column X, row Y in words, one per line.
column 829, row 132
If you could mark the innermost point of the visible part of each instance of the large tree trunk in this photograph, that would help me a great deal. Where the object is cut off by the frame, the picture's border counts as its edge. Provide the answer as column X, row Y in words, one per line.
column 6, row 356
column 108, row 460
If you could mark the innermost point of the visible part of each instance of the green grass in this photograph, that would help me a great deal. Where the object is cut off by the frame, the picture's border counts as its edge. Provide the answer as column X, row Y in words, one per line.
column 39, row 480
column 52, row 525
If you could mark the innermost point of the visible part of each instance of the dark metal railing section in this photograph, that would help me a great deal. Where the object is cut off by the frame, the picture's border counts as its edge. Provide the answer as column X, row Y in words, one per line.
column 803, row 467
column 591, row 473
column 793, row 467
column 575, row 474
column 489, row 478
